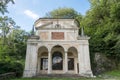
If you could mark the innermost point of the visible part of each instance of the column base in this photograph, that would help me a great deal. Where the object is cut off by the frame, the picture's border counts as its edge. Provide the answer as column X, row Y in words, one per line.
column 29, row 73
column 86, row 74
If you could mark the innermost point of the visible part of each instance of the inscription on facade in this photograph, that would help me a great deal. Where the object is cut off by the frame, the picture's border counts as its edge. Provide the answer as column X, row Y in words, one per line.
column 58, row 35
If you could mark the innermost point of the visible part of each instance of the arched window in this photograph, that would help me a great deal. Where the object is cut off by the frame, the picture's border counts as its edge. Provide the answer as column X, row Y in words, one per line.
column 57, row 61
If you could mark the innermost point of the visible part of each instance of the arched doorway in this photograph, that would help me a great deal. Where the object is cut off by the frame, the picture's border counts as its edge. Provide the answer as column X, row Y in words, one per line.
column 57, row 59
column 72, row 60
column 42, row 60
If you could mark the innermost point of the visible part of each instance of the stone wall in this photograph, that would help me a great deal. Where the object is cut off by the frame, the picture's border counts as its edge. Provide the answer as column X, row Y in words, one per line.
column 102, row 64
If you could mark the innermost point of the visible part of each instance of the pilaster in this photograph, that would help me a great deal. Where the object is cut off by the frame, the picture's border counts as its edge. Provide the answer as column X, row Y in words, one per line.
column 31, row 60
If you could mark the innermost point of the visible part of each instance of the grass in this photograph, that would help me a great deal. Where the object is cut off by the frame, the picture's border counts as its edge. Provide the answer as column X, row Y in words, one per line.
column 115, row 73
column 111, row 75
column 59, row 79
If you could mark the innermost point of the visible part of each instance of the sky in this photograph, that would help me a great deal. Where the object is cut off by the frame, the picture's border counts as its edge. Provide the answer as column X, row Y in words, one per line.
column 26, row 12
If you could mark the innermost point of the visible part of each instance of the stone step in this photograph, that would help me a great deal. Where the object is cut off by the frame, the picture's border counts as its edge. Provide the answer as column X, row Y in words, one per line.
column 58, row 75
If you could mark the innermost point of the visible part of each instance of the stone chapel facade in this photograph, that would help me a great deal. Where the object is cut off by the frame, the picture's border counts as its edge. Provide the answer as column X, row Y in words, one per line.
column 57, row 48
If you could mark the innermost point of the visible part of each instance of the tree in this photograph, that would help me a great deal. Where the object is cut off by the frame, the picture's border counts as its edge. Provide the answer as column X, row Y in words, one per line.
column 18, row 40
column 102, row 23
column 6, row 26
column 3, row 5
column 12, row 43
column 12, row 55
column 63, row 13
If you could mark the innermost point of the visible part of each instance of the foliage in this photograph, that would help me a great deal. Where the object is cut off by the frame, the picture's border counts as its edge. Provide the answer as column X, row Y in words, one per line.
column 102, row 24
column 6, row 26
column 10, row 65
column 64, row 13
column 12, row 43
column 3, row 5
column 12, row 56
column 12, row 47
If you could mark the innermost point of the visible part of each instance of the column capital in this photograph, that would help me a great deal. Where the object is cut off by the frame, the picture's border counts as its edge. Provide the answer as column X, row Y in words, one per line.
column 79, row 51
column 49, row 50
column 48, row 47
column 66, row 51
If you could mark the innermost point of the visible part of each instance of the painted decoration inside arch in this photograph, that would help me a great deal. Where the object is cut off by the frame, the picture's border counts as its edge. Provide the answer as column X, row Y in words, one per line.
column 57, row 61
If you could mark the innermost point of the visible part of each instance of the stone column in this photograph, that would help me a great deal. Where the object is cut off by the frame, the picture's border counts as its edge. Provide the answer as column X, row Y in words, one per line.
column 66, row 62
column 75, row 63
column 49, row 63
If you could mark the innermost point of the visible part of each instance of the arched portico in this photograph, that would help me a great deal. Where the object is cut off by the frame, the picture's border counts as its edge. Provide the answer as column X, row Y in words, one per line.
column 72, row 60
column 57, row 60
column 42, row 66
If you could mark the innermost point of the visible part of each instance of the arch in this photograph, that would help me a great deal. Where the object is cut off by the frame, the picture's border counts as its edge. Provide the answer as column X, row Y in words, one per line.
column 42, row 59
column 57, row 53
column 57, row 48
column 42, row 49
column 72, row 59
column 73, row 50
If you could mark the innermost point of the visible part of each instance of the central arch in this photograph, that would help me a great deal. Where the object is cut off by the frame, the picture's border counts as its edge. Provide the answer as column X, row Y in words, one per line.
column 57, row 59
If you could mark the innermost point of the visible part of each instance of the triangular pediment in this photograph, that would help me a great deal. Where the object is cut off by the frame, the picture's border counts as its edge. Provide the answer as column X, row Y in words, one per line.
column 56, row 24
column 45, row 25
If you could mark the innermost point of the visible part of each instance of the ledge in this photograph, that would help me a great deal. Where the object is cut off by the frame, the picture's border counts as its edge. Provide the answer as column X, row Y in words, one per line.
column 83, row 38
column 34, row 37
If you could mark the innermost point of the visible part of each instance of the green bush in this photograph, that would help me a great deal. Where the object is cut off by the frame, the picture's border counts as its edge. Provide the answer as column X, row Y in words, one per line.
column 11, row 66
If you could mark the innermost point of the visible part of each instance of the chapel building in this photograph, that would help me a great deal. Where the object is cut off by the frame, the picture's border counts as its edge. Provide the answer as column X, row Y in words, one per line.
column 57, row 48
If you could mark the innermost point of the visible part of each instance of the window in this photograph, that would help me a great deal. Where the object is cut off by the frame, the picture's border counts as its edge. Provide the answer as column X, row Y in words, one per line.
column 44, row 64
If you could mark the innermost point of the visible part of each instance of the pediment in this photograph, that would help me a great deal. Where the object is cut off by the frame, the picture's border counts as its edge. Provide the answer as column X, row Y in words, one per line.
column 45, row 25
column 54, row 25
